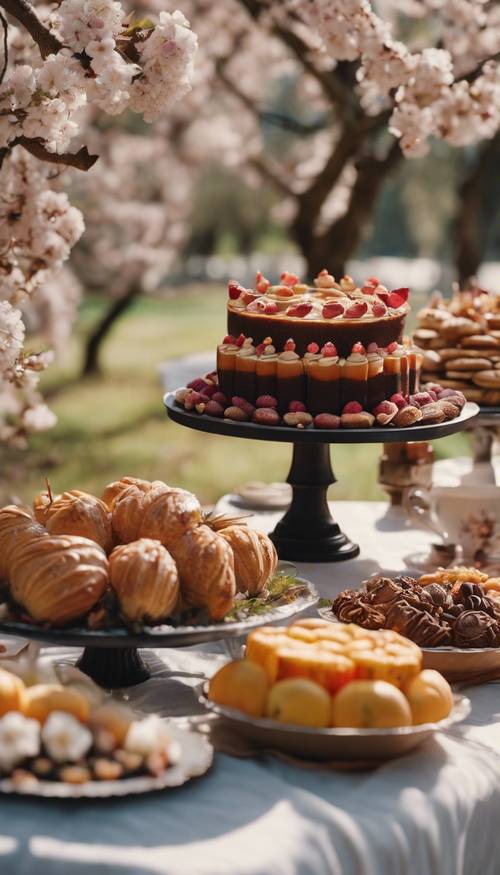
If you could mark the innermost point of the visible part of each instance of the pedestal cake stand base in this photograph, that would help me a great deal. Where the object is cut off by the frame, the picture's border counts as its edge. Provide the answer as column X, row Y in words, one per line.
column 307, row 532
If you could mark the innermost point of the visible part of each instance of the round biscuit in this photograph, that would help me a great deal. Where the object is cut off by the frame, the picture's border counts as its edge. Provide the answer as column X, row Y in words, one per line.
column 470, row 364
column 487, row 379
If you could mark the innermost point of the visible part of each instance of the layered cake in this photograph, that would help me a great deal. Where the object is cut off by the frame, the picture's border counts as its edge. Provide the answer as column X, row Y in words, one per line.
column 461, row 340
column 327, row 355
column 322, row 346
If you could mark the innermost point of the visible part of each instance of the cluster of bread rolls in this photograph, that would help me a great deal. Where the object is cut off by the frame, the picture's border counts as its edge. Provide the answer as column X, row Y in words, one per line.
column 149, row 542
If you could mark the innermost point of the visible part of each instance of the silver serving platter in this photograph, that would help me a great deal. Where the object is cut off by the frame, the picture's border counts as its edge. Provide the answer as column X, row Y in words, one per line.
column 362, row 745
column 165, row 635
column 195, row 759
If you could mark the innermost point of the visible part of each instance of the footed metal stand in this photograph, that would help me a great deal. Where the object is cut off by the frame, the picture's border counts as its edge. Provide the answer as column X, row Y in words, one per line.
column 112, row 669
column 308, row 532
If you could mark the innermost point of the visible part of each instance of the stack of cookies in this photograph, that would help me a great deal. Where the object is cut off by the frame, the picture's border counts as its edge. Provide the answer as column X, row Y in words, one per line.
column 461, row 341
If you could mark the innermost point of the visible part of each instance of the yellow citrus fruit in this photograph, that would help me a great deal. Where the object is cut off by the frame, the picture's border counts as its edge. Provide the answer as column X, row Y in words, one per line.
column 39, row 701
column 11, row 692
column 430, row 697
column 370, row 705
column 299, row 701
column 241, row 684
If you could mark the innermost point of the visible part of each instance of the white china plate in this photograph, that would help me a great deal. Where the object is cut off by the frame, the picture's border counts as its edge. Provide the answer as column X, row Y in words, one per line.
column 195, row 759
column 334, row 744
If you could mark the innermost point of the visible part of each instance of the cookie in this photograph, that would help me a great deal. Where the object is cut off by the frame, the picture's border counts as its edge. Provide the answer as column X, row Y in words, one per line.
column 453, row 384
column 459, row 375
column 432, row 318
column 481, row 342
column 487, row 379
column 489, row 398
column 432, row 360
column 493, row 321
column 470, row 364
column 458, row 352
column 424, row 335
column 473, row 393
column 457, row 327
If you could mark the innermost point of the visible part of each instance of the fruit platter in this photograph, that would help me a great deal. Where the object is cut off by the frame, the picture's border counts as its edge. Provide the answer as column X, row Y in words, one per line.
column 453, row 614
column 69, row 741
column 142, row 566
column 333, row 691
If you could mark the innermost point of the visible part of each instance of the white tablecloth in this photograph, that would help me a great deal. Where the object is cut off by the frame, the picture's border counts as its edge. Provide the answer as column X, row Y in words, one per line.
column 435, row 812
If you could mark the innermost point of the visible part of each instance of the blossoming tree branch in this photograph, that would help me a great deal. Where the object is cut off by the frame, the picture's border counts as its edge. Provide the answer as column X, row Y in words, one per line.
column 56, row 62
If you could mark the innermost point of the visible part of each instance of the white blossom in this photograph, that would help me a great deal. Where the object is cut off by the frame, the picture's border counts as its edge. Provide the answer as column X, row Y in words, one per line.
column 65, row 739
column 19, row 739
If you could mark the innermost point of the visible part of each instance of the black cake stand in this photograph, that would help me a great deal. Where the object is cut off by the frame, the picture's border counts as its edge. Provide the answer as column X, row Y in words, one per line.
column 307, row 532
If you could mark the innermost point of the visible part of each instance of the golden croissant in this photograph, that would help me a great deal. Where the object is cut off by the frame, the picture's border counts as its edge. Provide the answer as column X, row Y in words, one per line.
column 168, row 513
column 255, row 557
column 57, row 579
column 128, row 508
column 17, row 526
column 206, row 567
column 76, row 513
column 145, row 579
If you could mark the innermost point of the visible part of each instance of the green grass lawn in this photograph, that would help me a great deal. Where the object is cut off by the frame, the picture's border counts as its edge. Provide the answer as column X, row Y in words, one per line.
column 116, row 424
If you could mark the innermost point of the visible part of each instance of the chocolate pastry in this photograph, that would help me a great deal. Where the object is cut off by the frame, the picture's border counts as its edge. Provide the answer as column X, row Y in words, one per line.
column 349, row 607
column 472, row 597
column 418, row 625
column 382, row 591
column 476, row 629
column 440, row 595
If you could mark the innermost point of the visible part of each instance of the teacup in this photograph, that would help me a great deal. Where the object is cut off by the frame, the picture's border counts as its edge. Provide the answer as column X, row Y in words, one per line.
column 465, row 516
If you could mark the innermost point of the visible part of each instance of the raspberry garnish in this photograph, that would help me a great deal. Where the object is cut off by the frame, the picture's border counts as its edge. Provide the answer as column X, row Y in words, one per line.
column 296, row 407
column 289, row 279
column 398, row 400
column 240, row 340
column 229, row 339
column 379, row 309
column 329, row 350
column 234, row 289
column 261, row 283
column 352, row 407
column 332, row 309
column 299, row 310
column 395, row 301
column 356, row 311
column 313, row 348
column 271, row 308
column 392, row 346
column 289, row 345
column 359, row 348
column 401, row 293
column 266, row 401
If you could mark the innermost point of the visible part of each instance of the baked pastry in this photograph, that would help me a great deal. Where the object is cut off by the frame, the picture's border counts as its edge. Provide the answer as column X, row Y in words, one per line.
column 255, row 558
column 75, row 513
column 40, row 700
column 168, row 513
column 127, row 506
column 114, row 490
column 17, row 527
column 57, row 579
column 11, row 692
column 145, row 579
column 205, row 563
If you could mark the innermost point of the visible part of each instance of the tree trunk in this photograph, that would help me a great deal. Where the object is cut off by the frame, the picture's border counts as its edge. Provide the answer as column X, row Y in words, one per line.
column 339, row 242
column 91, row 365
column 470, row 237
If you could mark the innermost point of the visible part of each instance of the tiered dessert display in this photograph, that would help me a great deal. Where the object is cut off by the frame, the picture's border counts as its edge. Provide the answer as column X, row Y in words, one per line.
column 65, row 741
column 335, row 691
column 453, row 614
column 140, row 567
column 323, row 364
column 461, row 340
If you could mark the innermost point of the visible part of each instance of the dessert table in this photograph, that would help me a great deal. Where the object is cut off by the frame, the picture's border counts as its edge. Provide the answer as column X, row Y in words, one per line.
column 434, row 812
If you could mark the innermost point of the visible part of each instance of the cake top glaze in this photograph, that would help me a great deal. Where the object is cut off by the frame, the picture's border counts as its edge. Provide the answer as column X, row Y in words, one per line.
column 326, row 301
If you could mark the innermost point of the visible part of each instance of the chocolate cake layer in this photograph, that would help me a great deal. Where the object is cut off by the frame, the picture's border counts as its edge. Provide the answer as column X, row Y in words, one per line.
column 343, row 333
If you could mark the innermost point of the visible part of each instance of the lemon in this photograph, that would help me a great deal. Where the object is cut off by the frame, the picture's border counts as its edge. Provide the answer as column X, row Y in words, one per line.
column 370, row 705
column 299, row 701
column 240, row 684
